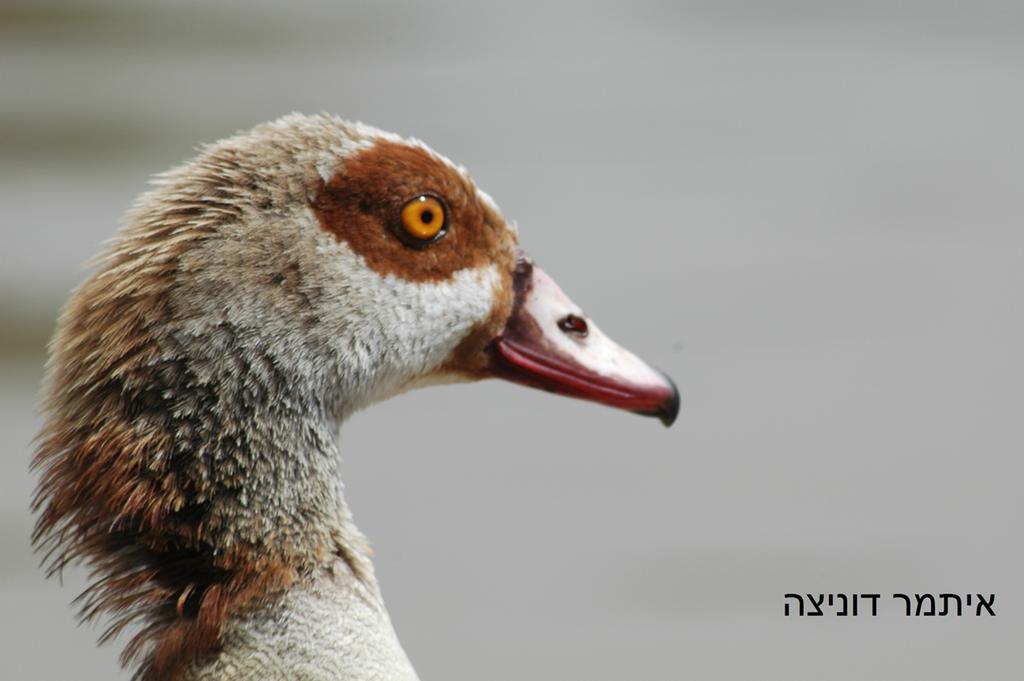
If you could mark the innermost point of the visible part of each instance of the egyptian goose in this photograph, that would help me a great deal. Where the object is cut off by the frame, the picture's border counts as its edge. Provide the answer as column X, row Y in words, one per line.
column 258, row 295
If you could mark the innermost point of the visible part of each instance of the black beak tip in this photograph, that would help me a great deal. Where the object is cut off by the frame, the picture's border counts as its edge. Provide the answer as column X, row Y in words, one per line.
column 669, row 409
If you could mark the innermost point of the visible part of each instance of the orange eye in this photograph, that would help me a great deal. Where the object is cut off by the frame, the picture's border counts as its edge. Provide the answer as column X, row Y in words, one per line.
column 424, row 219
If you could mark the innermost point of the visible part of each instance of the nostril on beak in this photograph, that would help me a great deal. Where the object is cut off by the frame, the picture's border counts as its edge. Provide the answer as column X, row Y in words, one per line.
column 574, row 325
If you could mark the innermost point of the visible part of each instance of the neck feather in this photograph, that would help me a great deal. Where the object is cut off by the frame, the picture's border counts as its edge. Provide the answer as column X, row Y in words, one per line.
column 192, row 471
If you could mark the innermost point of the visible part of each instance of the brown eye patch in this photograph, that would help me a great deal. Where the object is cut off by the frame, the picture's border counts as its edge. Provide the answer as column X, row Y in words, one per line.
column 363, row 203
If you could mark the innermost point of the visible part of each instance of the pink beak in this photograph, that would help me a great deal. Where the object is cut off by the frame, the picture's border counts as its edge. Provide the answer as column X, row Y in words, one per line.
column 548, row 343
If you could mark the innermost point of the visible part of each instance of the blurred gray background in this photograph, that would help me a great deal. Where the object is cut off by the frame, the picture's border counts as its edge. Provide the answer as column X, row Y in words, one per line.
column 808, row 213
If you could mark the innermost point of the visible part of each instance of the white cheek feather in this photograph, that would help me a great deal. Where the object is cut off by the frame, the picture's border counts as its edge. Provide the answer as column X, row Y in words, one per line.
column 366, row 336
column 370, row 335
column 401, row 329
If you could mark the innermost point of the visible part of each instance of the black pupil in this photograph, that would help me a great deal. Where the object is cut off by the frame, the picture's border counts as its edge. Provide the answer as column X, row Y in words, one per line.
column 427, row 216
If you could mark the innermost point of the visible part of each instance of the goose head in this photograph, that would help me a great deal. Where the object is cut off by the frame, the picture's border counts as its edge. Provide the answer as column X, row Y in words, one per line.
column 257, row 296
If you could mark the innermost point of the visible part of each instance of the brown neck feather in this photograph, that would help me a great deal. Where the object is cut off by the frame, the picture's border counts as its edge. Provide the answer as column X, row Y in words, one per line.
column 170, row 463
